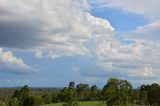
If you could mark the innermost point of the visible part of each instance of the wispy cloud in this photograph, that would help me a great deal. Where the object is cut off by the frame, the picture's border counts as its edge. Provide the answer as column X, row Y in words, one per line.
column 142, row 7
column 10, row 63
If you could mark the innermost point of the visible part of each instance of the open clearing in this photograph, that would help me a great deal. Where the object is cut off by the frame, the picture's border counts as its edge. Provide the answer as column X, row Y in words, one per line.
column 81, row 104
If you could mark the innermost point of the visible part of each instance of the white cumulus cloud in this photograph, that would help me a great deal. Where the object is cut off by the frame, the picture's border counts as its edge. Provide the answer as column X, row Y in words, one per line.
column 55, row 28
column 9, row 62
column 140, row 58
column 51, row 28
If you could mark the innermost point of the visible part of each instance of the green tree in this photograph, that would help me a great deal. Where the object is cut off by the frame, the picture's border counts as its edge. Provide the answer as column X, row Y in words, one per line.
column 14, row 102
column 70, row 95
column 38, row 100
column 134, row 97
column 71, row 92
column 47, row 98
column 24, row 94
column 124, row 92
column 154, row 94
column 63, row 95
column 94, row 92
column 83, row 91
column 110, row 91
column 20, row 96
column 23, row 97
column 143, row 98
column 71, row 85
column 116, row 92
column 55, row 98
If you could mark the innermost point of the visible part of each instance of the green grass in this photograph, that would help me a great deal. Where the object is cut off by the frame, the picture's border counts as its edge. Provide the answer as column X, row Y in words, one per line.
column 81, row 104
column 56, row 104
column 90, row 103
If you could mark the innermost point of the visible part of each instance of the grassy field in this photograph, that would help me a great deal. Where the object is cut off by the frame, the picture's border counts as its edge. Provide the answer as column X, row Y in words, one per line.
column 81, row 104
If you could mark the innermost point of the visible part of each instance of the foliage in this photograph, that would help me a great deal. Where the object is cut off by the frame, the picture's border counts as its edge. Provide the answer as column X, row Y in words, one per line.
column 151, row 94
column 116, row 92
column 23, row 97
column 47, row 98
column 94, row 93
column 83, row 91
column 69, row 95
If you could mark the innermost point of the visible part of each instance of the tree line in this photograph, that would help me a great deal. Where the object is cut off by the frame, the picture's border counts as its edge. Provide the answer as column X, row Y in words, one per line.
column 115, row 92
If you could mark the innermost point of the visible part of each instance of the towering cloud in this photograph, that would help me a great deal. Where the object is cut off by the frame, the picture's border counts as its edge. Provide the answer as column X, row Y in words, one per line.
column 55, row 28
column 50, row 28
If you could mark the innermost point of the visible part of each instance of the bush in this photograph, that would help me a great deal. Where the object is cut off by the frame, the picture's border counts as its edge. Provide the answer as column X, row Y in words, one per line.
column 13, row 102
column 47, row 98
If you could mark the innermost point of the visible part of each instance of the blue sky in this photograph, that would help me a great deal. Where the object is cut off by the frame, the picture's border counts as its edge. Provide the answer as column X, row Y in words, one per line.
column 121, row 21
column 50, row 43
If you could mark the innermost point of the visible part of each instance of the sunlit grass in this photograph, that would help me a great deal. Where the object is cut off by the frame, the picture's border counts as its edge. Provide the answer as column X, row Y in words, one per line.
column 90, row 103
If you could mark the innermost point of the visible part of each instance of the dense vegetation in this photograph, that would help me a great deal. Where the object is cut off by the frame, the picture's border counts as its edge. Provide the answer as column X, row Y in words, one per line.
column 115, row 92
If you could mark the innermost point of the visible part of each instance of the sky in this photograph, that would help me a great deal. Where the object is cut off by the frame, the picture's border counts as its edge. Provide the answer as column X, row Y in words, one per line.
column 48, row 43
